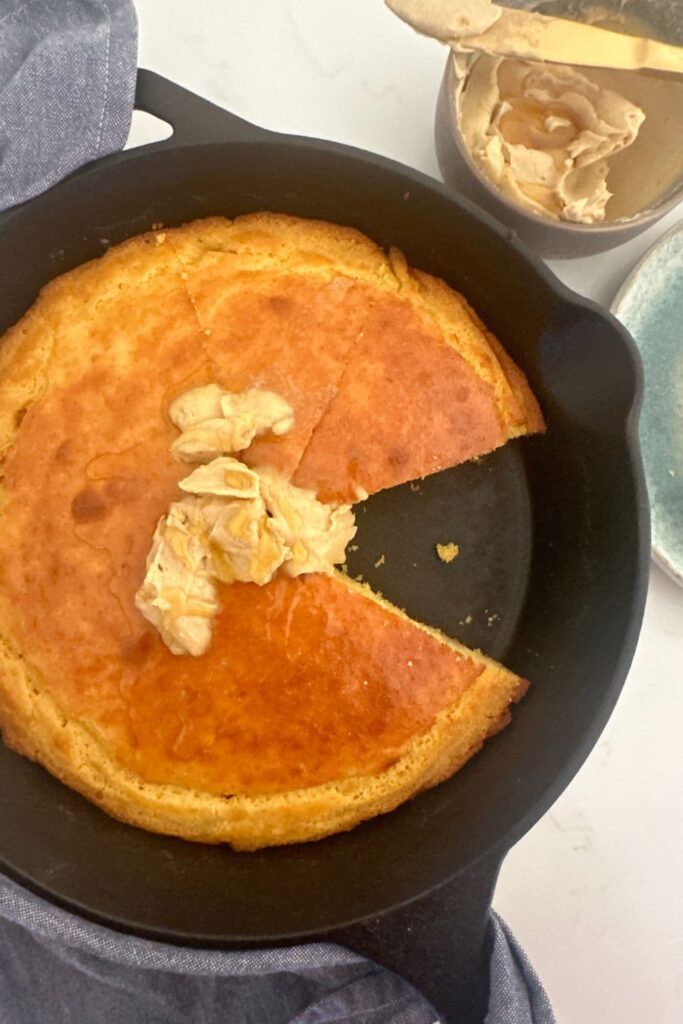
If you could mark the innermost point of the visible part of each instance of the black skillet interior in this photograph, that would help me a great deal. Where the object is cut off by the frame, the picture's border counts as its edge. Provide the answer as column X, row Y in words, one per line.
column 552, row 532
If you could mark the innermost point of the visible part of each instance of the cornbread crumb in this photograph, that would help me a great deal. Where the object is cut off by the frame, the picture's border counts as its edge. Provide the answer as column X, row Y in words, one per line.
column 672, row 472
column 353, row 547
column 380, row 561
column 414, row 485
column 447, row 552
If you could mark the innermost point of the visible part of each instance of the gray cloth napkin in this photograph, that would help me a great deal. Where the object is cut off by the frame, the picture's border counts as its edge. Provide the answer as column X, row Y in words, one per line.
column 67, row 80
column 57, row 968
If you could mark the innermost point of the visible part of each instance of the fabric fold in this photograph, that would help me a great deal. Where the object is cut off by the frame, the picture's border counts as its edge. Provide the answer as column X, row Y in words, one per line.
column 52, row 961
column 67, row 88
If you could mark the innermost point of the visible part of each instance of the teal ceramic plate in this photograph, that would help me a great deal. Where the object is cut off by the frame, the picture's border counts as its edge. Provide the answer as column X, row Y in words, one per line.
column 650, row 305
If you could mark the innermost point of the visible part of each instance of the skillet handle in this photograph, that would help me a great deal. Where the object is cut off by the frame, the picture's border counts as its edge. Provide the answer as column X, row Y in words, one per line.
column 441, row 943
column 192, row 118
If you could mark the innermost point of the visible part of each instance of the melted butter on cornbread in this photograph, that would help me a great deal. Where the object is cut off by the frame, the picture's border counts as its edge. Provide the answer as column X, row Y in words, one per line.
column 236, row 523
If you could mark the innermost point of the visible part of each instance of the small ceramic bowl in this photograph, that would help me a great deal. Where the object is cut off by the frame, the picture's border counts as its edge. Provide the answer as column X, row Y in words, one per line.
column 550, row 238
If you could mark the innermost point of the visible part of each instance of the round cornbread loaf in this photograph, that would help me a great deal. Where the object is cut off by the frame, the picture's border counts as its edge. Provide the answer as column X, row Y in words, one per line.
column 318, row 704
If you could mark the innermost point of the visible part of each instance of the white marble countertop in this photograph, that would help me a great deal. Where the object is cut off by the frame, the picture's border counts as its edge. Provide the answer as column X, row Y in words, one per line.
column 594, row 890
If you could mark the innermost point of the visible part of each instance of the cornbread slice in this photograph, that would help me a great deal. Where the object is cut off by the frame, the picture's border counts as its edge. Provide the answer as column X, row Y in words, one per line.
column 318, row 704
column 408, row 354
column 281, row 733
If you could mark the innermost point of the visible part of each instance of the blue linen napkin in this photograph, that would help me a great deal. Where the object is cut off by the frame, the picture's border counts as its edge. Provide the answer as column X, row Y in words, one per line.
column 57, row 968
column 67, row 82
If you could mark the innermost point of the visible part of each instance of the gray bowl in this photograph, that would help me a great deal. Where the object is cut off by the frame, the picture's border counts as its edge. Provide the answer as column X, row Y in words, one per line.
column 550, row 238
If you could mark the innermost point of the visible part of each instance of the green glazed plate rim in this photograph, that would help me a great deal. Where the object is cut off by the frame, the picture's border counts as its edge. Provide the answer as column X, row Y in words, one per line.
column 667, row 552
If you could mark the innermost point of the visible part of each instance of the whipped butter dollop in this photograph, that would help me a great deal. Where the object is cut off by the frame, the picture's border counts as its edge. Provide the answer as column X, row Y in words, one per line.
column 316, row 534
column 235, row 523
column 178, row 595
column 225, row 476
column 456, row 22
column 544, row 133
column 243, row 543
column 213, row 422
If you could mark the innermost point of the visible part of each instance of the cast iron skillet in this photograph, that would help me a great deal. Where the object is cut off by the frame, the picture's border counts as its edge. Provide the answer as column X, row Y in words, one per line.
column 553, row 534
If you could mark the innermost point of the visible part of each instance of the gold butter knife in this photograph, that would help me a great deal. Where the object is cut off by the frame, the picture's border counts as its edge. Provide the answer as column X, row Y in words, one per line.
column 468, row 25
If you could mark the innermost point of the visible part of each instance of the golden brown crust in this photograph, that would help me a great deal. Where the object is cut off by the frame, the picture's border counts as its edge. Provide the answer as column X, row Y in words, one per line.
column 98, row 358
column 526, row 417
column 34, row 726
column 399, row 327
column 280, row 242
column 25, row 354
column 316, row 247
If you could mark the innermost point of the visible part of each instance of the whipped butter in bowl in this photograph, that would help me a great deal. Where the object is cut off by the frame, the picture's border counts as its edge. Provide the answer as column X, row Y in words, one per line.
column 544, row 134
column 575, row 159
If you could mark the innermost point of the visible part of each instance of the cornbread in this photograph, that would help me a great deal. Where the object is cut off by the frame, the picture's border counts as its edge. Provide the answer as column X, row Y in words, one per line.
column 317, row 704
